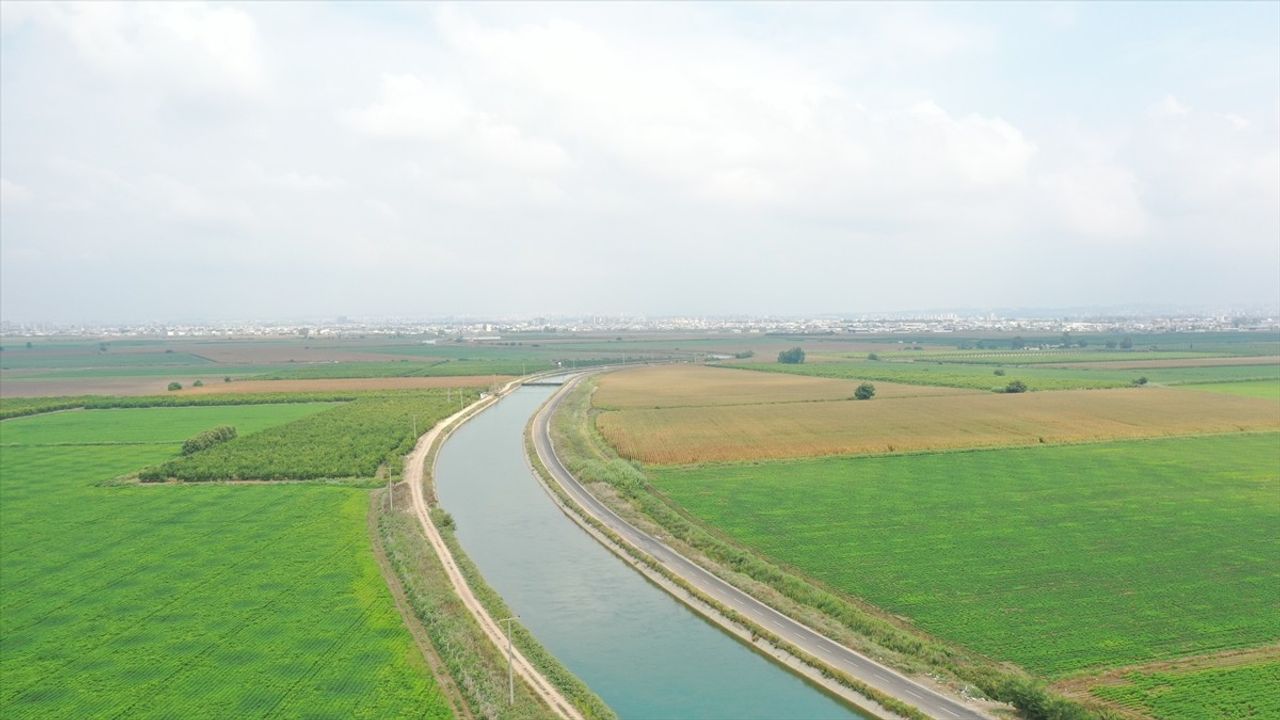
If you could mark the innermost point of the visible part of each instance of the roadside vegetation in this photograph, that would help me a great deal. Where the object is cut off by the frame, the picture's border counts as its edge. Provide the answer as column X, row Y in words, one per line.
column 188, row 601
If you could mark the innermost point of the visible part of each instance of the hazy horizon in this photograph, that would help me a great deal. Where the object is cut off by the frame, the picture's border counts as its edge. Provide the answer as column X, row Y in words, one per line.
column 165, row 161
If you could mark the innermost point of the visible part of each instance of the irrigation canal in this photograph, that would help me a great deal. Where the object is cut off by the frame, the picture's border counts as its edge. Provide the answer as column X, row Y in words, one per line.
column 647, row 655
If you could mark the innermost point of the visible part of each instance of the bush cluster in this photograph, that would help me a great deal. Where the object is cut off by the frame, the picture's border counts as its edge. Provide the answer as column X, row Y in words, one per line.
column 207, row 439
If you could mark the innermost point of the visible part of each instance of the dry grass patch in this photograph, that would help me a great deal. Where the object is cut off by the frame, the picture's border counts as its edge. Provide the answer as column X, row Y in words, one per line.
column 697, row 385
column 684, row 435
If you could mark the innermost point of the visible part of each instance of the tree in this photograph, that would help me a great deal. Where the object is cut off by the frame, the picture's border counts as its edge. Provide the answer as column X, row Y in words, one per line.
column 1111, row 344
column 1141, row 381
column 226, row 379
column 865, row 391
column 1126, row 343
column 872, row 356
column 999, row 372
column 198, row 383
column 1017, row 343
column 28, row 344
column 1083, row 343
column 1017, row 386
column 175, row 386
column 794, row 356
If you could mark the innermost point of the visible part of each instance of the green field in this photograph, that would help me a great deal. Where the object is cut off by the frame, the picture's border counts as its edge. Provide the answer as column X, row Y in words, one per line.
column 983, row 377
column 1247, row 691
column 188, row 601
column 148, row 425
column 1061, row 559
column 1269, row 389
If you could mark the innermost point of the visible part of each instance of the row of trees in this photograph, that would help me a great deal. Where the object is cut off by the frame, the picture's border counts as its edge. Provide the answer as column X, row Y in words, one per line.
column 353, row 440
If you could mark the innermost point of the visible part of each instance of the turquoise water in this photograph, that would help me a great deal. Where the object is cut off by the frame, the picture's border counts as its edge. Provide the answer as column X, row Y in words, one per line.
column 647, row 655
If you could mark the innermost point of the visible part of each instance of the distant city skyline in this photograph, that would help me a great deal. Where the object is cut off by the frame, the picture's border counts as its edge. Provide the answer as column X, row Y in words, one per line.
column 207, row 160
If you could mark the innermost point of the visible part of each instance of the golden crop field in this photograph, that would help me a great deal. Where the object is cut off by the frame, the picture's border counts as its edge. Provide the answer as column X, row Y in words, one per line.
column 682, row 435
column 668, row 386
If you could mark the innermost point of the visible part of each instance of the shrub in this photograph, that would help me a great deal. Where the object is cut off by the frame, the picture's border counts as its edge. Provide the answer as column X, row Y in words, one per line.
column 865, row 391
column 1017, row 386
column 175, row 386
column 1141, row 381
column 872, row 356
column 198, row 383
column 999, row 372
column 794, row 356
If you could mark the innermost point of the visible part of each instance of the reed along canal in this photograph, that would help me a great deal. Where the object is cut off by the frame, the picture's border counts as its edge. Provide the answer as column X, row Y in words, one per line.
column 646, row 654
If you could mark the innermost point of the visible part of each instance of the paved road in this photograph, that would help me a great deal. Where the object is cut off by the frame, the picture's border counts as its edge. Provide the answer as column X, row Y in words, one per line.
column 882, row 678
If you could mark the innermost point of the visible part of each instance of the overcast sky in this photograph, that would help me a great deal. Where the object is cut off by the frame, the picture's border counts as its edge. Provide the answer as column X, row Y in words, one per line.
column 169, row 161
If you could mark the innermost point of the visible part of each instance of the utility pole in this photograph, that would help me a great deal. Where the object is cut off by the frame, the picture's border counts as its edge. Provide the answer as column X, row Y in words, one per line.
column 391, row 495
column 511, row 676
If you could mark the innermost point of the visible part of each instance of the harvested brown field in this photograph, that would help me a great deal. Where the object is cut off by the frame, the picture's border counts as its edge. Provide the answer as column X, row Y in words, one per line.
column 1176, row 363
column 751, row 432
column 697, row 385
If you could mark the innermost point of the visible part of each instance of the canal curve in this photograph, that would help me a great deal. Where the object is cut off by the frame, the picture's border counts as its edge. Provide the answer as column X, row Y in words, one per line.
column 647, row 655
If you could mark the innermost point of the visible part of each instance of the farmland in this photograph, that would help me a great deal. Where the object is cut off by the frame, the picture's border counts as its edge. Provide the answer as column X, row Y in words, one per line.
column 363, row 438
column 679, row 435
column 1268, row 389
column 1066, row 557
column 189, row 601
column 1246, row 691
column 982, row 377
column 697, row 385
column 1061, row 559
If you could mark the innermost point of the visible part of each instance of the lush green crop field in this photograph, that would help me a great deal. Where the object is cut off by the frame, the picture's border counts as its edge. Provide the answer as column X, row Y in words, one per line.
column 1247, row 691
column 1269, row 389
column 150, row 425
column 350, row 440
column 189, row 601
column 1061, row 559
column 1037, row 378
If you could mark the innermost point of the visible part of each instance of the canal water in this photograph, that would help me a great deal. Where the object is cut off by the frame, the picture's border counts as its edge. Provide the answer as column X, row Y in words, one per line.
column 647, row 655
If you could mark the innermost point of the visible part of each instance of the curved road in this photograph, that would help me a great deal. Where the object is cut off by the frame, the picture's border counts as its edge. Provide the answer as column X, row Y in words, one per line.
column 883, row 678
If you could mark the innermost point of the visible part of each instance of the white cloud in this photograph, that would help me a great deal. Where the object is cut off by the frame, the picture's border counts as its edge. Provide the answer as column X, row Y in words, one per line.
column 189, row 47
column 410, row 108
column 714, row 147
column 13, row 195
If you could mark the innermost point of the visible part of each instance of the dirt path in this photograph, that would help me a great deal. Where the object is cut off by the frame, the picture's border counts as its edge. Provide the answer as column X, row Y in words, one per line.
column 415, row 468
